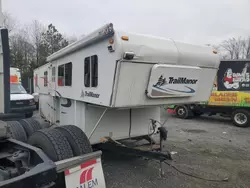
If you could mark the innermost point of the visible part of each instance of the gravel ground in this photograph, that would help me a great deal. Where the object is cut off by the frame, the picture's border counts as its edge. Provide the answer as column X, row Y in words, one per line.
column 210, row 147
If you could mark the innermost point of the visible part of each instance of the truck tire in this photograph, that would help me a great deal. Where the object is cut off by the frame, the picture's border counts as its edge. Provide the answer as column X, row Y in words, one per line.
column 16, row 131
column 77, row 139
column 30, row 126
column 35, row 124
column 183, row 112
column 241, row 118
column 28, row 129
column 53, row 143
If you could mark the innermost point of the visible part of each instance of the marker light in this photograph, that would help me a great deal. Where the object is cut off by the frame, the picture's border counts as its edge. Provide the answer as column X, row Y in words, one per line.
column 125, row 38
column 214, row 51
column 111, row 41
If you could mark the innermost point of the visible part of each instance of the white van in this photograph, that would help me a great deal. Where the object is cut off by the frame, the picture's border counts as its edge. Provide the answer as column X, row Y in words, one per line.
column 20, row 100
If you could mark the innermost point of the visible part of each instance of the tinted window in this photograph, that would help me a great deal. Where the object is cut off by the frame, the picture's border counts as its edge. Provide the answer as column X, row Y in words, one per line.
column 61, row 75
column 87, row 72
column 65, row 74
column 68, row 74
column 45, row 78
column 94, row 71
column 91, row 71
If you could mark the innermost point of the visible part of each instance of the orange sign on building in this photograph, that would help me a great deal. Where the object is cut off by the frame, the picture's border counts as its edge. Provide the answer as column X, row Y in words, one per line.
column 14, row 79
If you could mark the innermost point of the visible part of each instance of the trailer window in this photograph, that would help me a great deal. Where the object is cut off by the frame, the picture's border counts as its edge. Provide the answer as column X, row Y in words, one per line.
column 94, row 71
column 53, row 74
column 91, row 71
column 68, row 74
column 45, row 78
column 65, row 74
column 61, row 75
column 87, row 72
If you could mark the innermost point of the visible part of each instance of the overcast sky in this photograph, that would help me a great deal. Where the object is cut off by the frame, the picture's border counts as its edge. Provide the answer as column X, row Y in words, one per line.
column 193, row 21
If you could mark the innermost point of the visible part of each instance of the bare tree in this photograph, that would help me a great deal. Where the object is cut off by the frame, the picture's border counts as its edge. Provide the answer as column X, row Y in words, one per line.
column 36, row 30
column 21, row 50
column 9, row 22
column 246, row 48
column 229, row 46
column 236, row 48
column 30, row 45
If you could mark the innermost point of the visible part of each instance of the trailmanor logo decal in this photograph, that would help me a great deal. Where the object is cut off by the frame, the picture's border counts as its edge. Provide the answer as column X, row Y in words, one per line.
column 175, row 85
column 89, row 94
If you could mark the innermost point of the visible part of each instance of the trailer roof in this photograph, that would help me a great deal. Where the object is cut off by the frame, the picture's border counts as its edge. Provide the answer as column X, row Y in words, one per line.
column 97, row 35
column 236, row 60
column 146, row 48
column 162, row 50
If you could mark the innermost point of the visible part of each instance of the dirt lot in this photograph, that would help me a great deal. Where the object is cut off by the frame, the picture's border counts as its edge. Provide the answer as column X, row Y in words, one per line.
column 209, row 147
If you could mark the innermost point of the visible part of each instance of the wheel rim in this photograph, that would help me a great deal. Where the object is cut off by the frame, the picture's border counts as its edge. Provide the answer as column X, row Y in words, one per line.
column 240, row 118
column 181, row 111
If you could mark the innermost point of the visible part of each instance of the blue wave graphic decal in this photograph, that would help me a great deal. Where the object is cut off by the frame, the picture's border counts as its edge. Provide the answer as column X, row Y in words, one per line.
column 191, row 90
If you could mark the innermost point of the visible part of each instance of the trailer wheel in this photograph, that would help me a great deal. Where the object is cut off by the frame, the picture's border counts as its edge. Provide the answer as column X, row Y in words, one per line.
column 241, row 118
column 16, row 131
column 53, row 143
column 77, row 139
column 30, row 126
column 183, row 112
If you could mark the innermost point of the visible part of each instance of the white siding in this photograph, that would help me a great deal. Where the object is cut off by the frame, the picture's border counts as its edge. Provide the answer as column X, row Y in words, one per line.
column 133, row 82
column 106, row 69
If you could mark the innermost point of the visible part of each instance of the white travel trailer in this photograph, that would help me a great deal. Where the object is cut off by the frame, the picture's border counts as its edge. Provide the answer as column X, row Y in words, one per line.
column 112, row 83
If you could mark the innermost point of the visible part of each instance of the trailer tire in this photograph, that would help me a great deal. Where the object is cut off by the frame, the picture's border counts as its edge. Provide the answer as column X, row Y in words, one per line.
column 77, row 139
column 183, row 112
column 53, row 143
column 30, row 126
column 241, row 118
column 16, row 131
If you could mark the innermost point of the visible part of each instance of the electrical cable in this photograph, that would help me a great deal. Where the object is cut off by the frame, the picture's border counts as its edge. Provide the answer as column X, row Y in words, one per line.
column 153, row 126
column 180, row 171
column 194, row 176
